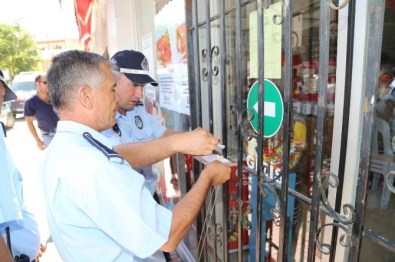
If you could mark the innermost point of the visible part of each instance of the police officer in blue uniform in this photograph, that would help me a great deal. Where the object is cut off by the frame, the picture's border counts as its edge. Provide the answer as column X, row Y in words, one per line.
column 17, row 225
column 134, row 124
column 98, row 208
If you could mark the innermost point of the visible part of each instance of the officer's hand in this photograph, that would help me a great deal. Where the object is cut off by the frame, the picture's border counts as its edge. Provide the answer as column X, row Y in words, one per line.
column 197, row 142
column 219, row 172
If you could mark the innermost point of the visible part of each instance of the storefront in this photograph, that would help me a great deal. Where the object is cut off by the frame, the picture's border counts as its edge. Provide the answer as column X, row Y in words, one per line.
column 306, row 77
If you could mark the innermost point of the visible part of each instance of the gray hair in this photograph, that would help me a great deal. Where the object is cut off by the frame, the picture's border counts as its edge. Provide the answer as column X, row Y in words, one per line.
column 116, row 73
column 72, row 69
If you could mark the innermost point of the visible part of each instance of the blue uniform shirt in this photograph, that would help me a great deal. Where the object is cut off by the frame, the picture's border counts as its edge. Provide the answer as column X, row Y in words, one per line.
column 97, row 207
column 13, row 213
column 138, row 126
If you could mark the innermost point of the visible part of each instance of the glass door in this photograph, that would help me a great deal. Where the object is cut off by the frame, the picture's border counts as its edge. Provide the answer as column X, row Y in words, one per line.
column 289, row 87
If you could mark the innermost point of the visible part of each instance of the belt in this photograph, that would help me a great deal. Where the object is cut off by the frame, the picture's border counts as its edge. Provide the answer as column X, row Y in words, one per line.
column 47, row 132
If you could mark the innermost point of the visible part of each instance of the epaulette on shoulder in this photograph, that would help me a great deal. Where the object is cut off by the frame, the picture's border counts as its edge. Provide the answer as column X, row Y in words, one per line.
column 109, row 153
column 3, row 128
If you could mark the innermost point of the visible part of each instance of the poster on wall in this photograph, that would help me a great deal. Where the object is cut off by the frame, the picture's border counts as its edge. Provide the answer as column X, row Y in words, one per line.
column 149, row 90
column 272, row 43
column 147, row 50
column 166, row 91
column 181, row 88
column 171, row 54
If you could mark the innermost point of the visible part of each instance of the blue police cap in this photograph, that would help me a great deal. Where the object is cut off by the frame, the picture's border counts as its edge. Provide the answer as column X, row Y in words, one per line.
column 135, row 66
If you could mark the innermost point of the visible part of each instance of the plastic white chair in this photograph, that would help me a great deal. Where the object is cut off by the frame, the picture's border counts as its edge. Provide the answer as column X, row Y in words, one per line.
column 382, row 163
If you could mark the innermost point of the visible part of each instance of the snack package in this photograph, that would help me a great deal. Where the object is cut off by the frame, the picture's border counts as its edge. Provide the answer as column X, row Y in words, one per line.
column 274, row 145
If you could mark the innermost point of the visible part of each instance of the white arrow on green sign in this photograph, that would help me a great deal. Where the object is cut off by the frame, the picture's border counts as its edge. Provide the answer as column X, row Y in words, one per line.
column 273, row 107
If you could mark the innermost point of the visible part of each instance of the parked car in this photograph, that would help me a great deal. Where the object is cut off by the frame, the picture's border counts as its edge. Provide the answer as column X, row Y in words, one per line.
column 24, row 87
column 6, row 116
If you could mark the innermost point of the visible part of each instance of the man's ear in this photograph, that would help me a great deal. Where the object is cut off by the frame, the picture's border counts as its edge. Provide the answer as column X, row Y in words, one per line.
column 85, row 96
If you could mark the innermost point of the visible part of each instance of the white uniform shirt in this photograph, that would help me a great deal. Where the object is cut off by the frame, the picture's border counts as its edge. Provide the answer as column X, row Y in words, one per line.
column 98, row 208
column 138, row 126
column 24, row 233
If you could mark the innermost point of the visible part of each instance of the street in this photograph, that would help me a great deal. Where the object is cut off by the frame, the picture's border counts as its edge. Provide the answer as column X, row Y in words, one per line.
column 27, row 158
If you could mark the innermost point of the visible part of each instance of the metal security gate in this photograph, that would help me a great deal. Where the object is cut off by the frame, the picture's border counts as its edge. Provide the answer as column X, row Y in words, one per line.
column 269, row 77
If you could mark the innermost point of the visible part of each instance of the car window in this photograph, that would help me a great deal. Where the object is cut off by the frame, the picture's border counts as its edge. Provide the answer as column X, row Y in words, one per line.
column 23, row 86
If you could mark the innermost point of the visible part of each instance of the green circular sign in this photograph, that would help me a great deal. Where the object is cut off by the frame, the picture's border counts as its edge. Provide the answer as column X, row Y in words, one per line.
column 273, row 107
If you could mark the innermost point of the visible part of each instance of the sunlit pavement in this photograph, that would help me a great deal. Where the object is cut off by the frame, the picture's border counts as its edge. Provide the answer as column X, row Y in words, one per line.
column 27, row 157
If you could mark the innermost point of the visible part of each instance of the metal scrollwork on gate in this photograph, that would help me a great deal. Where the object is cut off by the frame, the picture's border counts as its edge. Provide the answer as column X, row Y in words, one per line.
column 278, row 19
column 345, row 239
column 215, row 53
column 334, row 7
column 204, row 63
column 239, row 122
column 246, row 131
column 205, row 73
column 266, row 189
column 234, row 121
column 204, row 58
column 332, row 180
column 326, row 180
column 204, row 55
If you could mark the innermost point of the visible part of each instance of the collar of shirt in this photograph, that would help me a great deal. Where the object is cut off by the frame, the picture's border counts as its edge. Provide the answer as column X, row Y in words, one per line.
column 118, row 116
column 134, row 110
column 75, row 127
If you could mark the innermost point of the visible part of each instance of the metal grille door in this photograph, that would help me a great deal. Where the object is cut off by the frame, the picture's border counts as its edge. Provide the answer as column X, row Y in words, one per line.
column 290, row 88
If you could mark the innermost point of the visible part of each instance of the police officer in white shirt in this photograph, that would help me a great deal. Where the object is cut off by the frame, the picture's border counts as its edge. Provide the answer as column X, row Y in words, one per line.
column 23, row 236
column 98, row 208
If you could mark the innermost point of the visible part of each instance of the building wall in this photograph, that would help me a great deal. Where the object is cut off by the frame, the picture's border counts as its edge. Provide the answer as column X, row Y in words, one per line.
column 122, row 24
column 126, row 22
column 50, row 48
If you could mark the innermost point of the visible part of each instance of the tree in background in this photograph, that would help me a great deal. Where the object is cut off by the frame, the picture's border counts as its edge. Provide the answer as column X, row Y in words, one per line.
column 18, row 52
